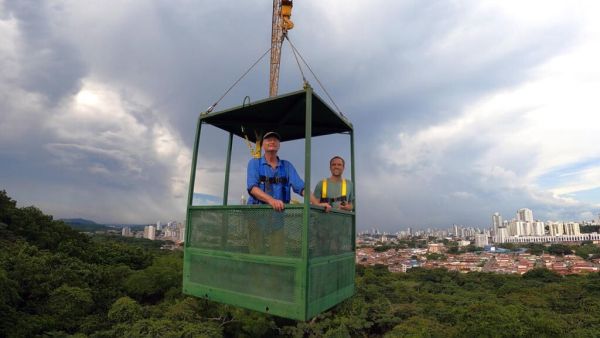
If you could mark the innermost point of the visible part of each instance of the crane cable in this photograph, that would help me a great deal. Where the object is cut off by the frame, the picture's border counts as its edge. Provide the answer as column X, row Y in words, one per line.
column 297, row 61
column 313, row 74
column 210, row 109
column 254, row 150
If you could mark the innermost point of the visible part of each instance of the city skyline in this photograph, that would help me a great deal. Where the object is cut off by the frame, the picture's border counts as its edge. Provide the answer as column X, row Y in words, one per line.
column 502, row 222
column 460, row 110
column 522, row 216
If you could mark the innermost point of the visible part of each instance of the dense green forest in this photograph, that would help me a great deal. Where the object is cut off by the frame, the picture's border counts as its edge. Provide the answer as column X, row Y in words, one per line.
column 57, row 282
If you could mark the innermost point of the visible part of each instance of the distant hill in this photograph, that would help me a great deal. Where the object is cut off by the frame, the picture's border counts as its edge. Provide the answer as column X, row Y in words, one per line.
column 77, row 221
column 86, row 225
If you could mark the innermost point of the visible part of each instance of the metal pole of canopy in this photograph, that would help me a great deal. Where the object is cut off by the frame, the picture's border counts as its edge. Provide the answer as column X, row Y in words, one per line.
column 306, row 209
column 227, row 169
column 307, row 143
column 307, row 146
column 225, row 219
column 194, row 161
column 353, row 177
column 188, row 226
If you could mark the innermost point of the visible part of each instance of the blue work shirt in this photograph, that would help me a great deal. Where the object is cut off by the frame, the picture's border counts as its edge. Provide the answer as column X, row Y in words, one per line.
column 260, row 167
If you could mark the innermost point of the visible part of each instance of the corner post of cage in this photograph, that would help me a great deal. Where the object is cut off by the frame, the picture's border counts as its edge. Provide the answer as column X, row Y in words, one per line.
column 307, row 147
column 194, row 161
column 307, row 194
column 227, row 169
column 307, row 156
column 353, row 177
column 188, row 221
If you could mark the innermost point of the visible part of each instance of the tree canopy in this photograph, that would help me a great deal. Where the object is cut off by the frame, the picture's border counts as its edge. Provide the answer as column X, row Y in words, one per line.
column 55, row 281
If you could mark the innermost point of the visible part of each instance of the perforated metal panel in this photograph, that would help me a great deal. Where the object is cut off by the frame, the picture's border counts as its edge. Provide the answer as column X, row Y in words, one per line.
column 330, row 233
column 330, row 276
column 252, row 256
column 258, row 231
column 247, row 277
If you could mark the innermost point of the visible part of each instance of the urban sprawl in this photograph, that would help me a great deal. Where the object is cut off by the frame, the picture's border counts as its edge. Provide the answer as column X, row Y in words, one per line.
column 446, row 248
column 441, row 248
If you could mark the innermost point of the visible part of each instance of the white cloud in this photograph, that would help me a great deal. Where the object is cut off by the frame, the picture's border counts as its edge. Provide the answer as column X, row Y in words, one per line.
column 581, row 180
column 95, row 131
column 511, row 138
column 484, row 100
column 19, row 109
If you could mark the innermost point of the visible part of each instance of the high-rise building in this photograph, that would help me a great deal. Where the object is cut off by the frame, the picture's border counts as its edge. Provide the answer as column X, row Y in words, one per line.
column 150, row 232
column 126, row 232
column 501, row 235
column 496, row 221
column 481, row 240
column 538, row 228
column 525, row 215
column 527, row 229
column 555, row 228
column 181, row 232
column 517, row 228
column 572, row 228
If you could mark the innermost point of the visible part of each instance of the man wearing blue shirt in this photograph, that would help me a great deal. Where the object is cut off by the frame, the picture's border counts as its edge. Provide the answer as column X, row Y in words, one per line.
column 270, row 180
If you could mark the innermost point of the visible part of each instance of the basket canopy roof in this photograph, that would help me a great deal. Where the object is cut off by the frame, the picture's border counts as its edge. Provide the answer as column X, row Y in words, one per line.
column 284, row 114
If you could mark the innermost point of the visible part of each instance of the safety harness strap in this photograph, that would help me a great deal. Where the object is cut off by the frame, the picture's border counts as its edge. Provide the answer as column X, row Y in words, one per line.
column 332, row 200
column 272, row 180
column 280, row 180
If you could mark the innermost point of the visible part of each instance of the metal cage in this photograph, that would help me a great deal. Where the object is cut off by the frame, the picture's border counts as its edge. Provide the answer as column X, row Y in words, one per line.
column 293, row 264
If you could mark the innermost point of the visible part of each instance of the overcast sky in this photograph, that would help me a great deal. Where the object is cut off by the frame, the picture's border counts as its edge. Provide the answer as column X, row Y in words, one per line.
column 461, row 109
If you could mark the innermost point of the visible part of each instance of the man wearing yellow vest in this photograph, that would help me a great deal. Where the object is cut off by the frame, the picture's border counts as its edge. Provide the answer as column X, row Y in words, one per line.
column 336, row 191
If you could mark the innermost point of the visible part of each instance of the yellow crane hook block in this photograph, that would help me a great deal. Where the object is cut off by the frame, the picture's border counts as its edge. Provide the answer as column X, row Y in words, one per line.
column 286, row 13
column 254, row 150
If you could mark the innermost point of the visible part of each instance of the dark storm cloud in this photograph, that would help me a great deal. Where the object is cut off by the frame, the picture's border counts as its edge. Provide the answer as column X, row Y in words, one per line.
column 394, row 68
column 413, row 82
column 184, row 56
column 53, row 65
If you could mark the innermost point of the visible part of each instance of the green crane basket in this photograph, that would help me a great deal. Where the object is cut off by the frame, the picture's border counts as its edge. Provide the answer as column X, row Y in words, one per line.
column 231, row 255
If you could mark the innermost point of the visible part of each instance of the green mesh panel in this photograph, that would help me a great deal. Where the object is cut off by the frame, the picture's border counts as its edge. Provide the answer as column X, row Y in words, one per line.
column 251, row 278
column 247, row 230
column 252, row 257
column 328, row 278
column 330, row 233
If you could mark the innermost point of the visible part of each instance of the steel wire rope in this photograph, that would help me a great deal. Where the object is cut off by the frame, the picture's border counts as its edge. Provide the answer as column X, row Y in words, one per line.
column 313, row 74
column 210, row 109
column 298, row 63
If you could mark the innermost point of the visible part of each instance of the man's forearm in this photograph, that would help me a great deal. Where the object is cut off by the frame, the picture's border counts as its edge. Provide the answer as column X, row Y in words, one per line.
column 277, row 205
column 261, row 195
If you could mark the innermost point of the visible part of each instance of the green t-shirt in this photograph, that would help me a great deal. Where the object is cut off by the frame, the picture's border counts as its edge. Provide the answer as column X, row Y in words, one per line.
column 334, row 190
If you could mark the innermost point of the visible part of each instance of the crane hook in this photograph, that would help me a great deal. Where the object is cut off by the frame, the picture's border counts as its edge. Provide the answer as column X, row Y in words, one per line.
column 286, row 13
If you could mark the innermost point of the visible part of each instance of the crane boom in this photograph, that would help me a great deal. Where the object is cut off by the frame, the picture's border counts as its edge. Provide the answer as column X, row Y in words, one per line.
column 282, row 10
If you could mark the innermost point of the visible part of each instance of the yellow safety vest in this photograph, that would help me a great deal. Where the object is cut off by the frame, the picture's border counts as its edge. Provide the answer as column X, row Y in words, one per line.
column 324, row 191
